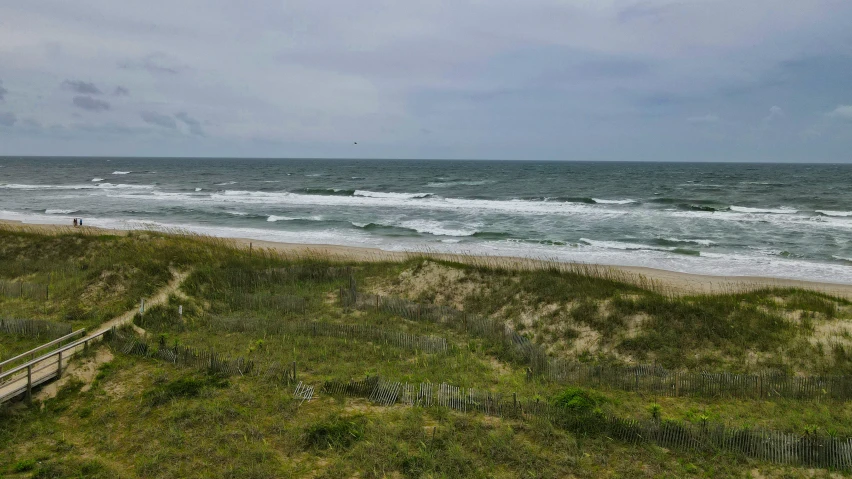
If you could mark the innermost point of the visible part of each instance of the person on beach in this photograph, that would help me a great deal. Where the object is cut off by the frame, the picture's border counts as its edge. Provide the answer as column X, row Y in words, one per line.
column 80, row 221
column 75, row 221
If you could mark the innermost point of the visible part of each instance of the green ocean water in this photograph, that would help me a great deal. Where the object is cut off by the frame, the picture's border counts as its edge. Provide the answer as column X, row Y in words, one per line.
column 778, row 220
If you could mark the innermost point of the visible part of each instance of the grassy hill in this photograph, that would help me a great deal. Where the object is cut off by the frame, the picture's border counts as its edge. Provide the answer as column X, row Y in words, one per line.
column 144, row 416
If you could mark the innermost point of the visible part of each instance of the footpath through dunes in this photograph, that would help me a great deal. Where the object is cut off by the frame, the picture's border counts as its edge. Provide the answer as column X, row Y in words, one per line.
column 49, row 366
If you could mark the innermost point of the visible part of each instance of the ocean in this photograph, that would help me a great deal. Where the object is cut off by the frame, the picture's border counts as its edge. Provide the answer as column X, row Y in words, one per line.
column 773, row 220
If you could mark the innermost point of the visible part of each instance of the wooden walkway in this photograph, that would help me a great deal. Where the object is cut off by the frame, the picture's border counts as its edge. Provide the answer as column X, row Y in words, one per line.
column 22, row 379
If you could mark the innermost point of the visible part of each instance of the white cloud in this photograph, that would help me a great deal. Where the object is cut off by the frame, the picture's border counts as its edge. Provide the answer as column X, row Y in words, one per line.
column 843, row 112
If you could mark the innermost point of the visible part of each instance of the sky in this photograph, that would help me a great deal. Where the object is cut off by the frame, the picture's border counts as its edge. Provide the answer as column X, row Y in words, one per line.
column 582, row 80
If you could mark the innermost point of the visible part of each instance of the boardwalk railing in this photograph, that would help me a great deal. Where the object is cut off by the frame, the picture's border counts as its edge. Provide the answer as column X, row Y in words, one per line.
column 31, row 354
column 767, row 445
column 403, row 340
column 641, row 378
column 22, row 379
column 33, row 328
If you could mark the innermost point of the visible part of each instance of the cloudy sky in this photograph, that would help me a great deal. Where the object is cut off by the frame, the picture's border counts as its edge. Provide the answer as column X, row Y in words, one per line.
column 672, row 80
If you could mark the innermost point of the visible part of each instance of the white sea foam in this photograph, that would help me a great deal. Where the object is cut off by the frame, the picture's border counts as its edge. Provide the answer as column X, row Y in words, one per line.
column 226, row 183
column 775, row 211
column 274, row 218
column 436, row 228
column 237, row 213
column 120, row 172
column 59, row 212
column 380, row 194
column 834, row 213
column 99, row 186
column 842, row 258
column 198, row 189
column 614, row 202
column 622, row 245
column 702, row 242
column 97, row 179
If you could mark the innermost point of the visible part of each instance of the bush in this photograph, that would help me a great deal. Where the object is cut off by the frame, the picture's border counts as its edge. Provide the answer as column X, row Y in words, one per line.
column 182, row 388
column 578, row 400
column 335, row 432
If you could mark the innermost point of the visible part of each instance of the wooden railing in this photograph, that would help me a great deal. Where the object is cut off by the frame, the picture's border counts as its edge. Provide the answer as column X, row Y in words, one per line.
column 32, row 353
column 22, row 379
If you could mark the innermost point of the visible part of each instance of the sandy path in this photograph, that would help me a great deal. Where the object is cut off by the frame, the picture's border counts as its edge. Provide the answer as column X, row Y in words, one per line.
column 85, row 372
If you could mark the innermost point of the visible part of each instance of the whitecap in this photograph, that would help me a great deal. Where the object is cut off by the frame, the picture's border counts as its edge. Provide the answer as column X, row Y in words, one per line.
column 198, row 189
column 59, row 212
column 436, row 228
column 97, row 179
column 226, row 183
column 613, row 202
column 834, row 213
column 120, row 172
column 842, row 258
column 778, row 211
column 380, row 194
column 447, row 184
column 702, row 242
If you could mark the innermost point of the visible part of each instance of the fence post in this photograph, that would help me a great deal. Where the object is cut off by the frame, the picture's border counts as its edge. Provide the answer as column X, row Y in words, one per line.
column 59, row 366
column 29, row 384
column 142, row 306
column 294, row 371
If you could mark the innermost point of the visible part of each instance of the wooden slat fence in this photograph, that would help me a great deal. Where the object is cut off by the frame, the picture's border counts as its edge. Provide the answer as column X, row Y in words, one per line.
column 209, row 361
column 400, row 339
column 641, row 378
column 34, row 328
column 24, row 289
column 772, row 446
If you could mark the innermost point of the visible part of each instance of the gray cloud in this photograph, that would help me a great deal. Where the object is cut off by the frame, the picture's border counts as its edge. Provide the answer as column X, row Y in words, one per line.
column 90, row 104
column 84, row 88
column 8, row 119
column 193, row 124
column 121, row 91
column 154, row 118
column 154, row 63
column 3, row 91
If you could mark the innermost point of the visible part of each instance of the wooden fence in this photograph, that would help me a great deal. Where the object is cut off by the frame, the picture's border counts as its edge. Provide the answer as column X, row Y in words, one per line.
column 34, row 328
column 23, row 289
column 206, row 360
column 403, row 340
column 650, row 379
column 811, row 450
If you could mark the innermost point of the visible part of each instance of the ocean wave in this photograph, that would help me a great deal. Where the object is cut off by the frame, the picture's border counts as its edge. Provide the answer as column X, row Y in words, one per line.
column 775, row 211
column 59, row 212
column 198, row 189
column 448, row 184
column 613, row 202
column 329, row 191
column 834, row 213
column 237, row 213
column 226, row 183
column 99, row 186
column 561, row 199
column 381, row 194
column 436, row 228
column 624, row 246
column 121, row 172
column 274, row 218
column 97, row 179
column 674, row 241
column 842, row 258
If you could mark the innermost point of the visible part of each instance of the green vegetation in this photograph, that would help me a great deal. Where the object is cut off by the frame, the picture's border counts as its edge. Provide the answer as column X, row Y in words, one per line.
column 140, row 417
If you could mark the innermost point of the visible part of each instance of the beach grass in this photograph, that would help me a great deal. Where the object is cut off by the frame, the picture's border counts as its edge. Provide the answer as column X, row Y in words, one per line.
column 139, row 417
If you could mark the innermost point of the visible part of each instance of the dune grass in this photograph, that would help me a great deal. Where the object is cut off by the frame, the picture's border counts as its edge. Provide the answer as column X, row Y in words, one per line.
column 147, row 418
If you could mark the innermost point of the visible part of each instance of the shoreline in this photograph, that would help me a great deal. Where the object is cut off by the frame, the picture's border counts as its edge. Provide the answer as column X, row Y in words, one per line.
column 668, row 281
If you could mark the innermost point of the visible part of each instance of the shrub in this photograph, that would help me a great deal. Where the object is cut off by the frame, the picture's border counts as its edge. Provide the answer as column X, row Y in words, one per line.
column 335, row 432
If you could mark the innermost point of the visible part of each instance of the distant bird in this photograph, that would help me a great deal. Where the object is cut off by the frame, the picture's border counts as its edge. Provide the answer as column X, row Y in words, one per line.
column 356, row 142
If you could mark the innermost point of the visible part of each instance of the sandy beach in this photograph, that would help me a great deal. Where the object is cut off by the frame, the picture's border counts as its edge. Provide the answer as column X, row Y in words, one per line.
column 671, row 281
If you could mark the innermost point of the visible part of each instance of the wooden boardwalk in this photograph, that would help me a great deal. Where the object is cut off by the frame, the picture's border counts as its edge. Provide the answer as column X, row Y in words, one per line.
column 22, row 379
